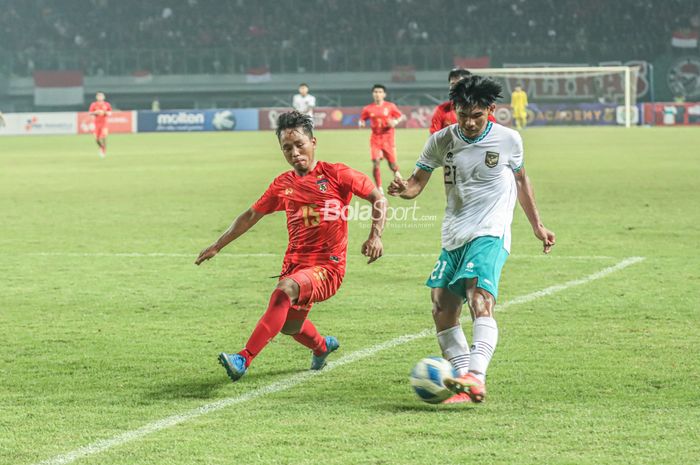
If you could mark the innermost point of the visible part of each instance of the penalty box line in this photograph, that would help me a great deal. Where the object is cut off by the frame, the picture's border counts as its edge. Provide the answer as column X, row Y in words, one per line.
column 282, row 385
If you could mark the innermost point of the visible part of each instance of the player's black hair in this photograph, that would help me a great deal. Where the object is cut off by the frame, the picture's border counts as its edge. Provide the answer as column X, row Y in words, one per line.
column 304, row 84
column 458, row 73
column 293, row 120
column 378, row 86
column 475, row 91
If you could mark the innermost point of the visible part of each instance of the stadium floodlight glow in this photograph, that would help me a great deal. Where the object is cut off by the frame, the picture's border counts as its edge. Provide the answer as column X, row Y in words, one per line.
column 614, row 84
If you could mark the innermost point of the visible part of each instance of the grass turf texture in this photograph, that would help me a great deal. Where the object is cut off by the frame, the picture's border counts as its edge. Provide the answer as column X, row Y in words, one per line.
column 95, row 344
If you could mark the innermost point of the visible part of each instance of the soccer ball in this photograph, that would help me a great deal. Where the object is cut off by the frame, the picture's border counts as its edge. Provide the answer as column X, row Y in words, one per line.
column 427, row 379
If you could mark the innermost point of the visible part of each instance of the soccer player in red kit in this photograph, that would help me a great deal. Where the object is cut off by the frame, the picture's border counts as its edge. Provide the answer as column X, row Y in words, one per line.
column 313, row 195
column 383, row 117
column 100, row 109
column 444, row 114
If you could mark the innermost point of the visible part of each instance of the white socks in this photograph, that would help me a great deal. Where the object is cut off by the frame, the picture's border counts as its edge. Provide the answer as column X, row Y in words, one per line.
column 455, row 348
column 485, row 340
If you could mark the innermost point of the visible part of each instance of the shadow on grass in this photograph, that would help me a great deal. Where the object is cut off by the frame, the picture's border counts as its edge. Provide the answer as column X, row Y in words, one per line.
column 195, row 388
column 419, row 407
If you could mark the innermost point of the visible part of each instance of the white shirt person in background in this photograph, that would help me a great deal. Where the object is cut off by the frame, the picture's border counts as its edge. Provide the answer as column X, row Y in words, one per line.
column 304, row 102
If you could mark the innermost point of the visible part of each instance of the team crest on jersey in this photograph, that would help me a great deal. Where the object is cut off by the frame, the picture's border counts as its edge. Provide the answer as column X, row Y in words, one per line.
column 322, row 185
column 386, row 112
column 288, row 191
column 449, row 157
column 491, row 159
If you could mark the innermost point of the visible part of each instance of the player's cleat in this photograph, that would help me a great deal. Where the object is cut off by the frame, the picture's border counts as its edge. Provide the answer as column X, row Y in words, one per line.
column 460, row 398
column 100, row 154
column 319, row 361
column 469, row 385
column 234, row 364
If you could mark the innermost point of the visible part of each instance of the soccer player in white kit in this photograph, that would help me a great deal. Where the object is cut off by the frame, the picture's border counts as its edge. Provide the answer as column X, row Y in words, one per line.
column 304, row 102
column 483, row 174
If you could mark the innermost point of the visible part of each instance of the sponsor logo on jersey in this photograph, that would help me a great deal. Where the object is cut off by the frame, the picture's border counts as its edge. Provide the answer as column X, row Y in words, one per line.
column 491, row 159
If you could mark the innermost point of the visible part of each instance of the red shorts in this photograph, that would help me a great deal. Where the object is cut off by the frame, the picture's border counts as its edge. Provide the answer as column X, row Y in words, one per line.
column 383, row 147
column 316, row 284
column 100, row 130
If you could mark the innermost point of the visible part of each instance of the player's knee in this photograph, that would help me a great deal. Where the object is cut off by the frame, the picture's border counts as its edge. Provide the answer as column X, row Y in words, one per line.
column 375, row 163
column 289, row 287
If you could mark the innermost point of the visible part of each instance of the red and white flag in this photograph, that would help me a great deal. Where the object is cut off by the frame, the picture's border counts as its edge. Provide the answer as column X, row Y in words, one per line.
column 258, row 75
column 57, row 88
column 142, row 76
column 685, row 38
column 472, row 62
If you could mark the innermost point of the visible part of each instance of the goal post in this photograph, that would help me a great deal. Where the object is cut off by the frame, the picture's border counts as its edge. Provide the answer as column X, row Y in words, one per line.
column 573, row 84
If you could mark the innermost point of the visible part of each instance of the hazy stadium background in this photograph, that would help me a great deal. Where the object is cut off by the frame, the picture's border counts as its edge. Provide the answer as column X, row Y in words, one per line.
column 109, row 333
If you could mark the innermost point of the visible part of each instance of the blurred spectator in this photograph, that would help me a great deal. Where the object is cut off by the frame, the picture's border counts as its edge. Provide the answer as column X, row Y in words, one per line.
column 166, row 36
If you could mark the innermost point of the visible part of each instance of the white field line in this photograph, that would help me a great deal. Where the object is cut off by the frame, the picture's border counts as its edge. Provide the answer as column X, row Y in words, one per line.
column 236, row 255
column 284, row 384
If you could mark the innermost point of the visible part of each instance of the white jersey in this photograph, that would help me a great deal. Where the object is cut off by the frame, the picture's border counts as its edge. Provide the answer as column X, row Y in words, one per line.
column 304, row 104
column 479, row 181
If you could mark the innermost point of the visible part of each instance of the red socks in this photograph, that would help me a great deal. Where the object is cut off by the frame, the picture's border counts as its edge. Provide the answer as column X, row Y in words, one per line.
column 309, row 336
column 377, row 176
column 269, row 326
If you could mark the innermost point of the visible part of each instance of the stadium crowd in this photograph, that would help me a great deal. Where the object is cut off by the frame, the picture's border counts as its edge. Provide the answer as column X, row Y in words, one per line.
column 117, row 36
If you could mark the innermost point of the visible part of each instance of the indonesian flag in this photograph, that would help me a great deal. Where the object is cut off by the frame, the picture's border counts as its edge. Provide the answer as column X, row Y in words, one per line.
column 142, row 76
column 472, row 62
column 258, row 75
column 56, row 88
column 685, row 38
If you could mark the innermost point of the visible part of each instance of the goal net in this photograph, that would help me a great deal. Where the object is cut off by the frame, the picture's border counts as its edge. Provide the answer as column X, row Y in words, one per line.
column 572, row 95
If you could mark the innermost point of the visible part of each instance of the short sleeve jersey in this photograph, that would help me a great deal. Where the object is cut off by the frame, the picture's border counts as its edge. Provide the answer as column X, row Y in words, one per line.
column 479, row 181
column 379, row 116
column 100, row 106
column 314, row 204
column 304, row 104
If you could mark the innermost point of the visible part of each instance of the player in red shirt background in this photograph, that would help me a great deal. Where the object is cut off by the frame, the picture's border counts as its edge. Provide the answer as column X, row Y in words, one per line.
column 100, row 110
column 444, row 114
column 311, row 194
column 383, row 117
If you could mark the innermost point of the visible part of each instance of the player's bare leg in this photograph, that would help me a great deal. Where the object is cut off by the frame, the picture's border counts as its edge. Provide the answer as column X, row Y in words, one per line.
column 393, row 166
column 485, row 337
column 377, row 172
column 270, row 324
column 447, row 308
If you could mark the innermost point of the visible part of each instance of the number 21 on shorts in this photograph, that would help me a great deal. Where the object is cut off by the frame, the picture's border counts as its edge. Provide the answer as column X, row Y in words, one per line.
column 438, row 269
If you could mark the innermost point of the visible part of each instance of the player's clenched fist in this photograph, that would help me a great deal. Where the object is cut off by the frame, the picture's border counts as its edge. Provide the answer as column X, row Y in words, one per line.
column 373, row 248
column 397, row 186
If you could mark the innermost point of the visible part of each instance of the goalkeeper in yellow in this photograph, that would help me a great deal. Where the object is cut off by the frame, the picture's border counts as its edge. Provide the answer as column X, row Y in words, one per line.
column 518, row 103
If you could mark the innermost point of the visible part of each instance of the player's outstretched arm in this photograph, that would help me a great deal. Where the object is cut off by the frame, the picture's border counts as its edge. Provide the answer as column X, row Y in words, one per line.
column 409, row 188
column 526, row 197
column 240, row 225
column 373, row 247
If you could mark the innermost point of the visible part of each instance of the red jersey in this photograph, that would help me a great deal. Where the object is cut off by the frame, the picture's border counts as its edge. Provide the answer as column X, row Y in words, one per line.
column 445, row 115
column 316, row 222
column 100, row 106
column 379, row 116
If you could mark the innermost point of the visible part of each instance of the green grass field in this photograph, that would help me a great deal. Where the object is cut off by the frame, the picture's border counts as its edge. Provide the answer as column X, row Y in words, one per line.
column 107, row 326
